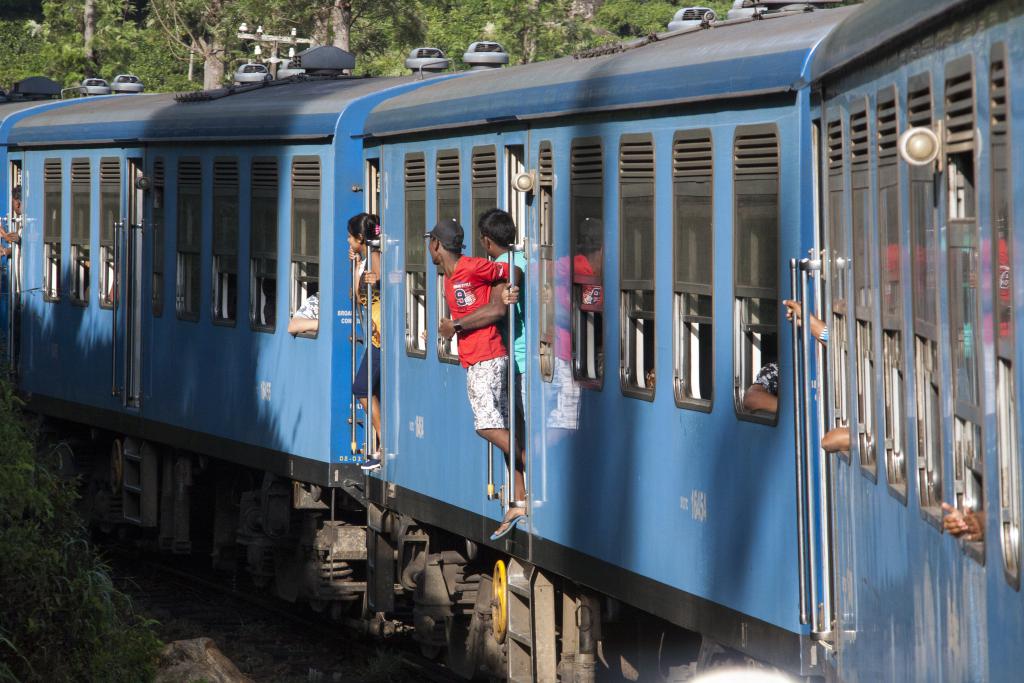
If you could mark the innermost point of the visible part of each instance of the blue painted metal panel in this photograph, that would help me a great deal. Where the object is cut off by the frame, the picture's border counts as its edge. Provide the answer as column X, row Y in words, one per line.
column 912, row 604
column 625, row 485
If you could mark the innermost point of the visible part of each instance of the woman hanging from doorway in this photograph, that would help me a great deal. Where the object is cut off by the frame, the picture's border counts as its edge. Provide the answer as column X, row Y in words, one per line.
column 363, row 229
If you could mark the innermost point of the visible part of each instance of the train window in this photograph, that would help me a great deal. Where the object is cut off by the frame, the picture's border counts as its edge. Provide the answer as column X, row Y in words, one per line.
column 81, row 213
column 52, row 211
column 448, row 198
column 416, row 255
column 190, row 201
column 692, row 216
column 225, row 240
column 963, row 242
column 548, row 336
column 924, row 296
column 1007, row 441
column 373, row 186
column 515, row 163
column 863, row 284
column 756, row 257
column 157, row 237
column 110, row 220
column 636, row 266
column 838, row 278
column 484, row 192
column 263, row 245
column 587, row 231
column 890, row 267
column 305, row 264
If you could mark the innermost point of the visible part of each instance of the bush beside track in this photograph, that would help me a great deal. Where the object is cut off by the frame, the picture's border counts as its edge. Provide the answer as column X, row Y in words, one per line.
column 61, row 618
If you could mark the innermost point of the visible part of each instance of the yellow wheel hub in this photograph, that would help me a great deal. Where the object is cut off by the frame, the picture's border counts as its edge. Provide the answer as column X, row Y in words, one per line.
column 499, row 602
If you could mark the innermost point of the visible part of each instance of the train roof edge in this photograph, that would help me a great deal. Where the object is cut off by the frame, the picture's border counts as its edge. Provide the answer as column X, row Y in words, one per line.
column 733, row 59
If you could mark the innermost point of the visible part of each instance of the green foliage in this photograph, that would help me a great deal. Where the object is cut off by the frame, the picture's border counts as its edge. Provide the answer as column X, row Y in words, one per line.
column 627, row 18
column 153, row 38
column 61, row 619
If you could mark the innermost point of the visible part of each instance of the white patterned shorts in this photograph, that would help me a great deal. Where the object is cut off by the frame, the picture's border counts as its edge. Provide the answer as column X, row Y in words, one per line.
column 487, row 388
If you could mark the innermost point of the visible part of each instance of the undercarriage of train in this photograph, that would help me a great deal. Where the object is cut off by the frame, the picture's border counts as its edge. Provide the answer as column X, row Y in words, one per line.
column 487, row 615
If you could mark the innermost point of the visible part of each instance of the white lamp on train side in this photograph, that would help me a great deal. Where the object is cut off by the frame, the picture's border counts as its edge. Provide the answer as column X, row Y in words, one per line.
column 919, row 146
column 524, row 181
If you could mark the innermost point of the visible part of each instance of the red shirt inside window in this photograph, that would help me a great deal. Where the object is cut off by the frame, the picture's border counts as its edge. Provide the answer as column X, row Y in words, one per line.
column 469, row 288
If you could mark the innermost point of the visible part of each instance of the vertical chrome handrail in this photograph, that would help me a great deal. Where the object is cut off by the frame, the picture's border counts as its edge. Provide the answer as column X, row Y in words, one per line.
column 816, row 494
column 368, row 332
column 798, row 433
column 14, row 262
column 114, row 297
column 129, row 247
column 354, row 295
column 510, row 488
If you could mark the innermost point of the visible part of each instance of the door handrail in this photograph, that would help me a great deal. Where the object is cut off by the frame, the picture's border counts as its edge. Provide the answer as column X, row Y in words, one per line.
column 798, row 433
column 114, row 300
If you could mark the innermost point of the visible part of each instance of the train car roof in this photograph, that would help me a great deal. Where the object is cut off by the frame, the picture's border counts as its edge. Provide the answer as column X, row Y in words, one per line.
column 11, row 112
column 733, row 59
column 300, row 110
column 874, row 26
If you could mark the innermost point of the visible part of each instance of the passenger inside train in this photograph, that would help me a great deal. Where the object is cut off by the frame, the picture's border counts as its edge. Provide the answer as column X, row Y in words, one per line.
column 307, row 318
column 967, row 523
column 13, row 235
column 470, row 284
column 362, row 229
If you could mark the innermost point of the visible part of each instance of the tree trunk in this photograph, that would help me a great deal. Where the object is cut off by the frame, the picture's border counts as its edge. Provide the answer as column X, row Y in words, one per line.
column 341, row 19
column 88, row 34
column 213, row 66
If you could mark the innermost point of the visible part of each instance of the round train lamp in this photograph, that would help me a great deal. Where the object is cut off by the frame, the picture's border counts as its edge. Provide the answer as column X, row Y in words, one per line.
column 919, row 146
column 523, row 182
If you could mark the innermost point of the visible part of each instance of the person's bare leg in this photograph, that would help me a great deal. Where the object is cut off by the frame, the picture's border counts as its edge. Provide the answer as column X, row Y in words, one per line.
column 500, row 438
column 376, row 413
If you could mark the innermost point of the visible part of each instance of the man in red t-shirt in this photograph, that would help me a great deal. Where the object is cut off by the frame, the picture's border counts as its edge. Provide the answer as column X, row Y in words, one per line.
column 468, row 282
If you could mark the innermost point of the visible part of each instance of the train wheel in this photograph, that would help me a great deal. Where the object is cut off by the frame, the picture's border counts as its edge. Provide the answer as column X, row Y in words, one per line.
column 499, row 602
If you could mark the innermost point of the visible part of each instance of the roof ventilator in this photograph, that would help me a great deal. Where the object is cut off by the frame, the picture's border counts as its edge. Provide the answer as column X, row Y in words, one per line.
column 691, row 17
column 484, row 55
column 430, row 60
column 324, row 60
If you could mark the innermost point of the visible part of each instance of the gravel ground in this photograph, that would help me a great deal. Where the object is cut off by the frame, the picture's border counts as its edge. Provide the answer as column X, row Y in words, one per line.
column 268, row 640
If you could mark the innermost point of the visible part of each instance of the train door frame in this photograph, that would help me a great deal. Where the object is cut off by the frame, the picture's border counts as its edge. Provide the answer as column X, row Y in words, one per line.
column 15, row 176
column 519, row 157
column 819, row 178
column 128, row 282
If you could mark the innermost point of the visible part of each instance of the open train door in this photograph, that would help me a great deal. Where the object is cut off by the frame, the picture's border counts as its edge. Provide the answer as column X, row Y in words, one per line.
column 810, row 278
column 13, row 221
column 126, row 294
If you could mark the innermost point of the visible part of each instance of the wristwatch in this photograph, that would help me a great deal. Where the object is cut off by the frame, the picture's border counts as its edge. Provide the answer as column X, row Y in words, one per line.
column 457, row 327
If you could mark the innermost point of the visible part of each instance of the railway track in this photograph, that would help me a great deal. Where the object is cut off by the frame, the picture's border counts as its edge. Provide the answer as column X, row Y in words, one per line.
column 267, row 638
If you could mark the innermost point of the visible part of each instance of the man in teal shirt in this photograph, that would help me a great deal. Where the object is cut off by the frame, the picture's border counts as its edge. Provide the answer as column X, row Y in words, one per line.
column 497, row 232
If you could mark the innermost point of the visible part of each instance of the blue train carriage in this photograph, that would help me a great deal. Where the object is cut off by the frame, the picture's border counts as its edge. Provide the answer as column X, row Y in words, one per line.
column 168, row 241
column 30, row 95
column 650, row 481
column 921, row 208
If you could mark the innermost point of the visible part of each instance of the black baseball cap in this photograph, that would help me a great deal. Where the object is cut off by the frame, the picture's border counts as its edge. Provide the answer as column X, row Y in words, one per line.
column 449, row 233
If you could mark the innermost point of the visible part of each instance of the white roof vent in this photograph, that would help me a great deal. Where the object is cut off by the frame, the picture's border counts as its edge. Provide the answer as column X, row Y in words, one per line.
column 688, row 17
column 485, row 54
column 427, row 59
column 127, row 84
column 324, row 60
